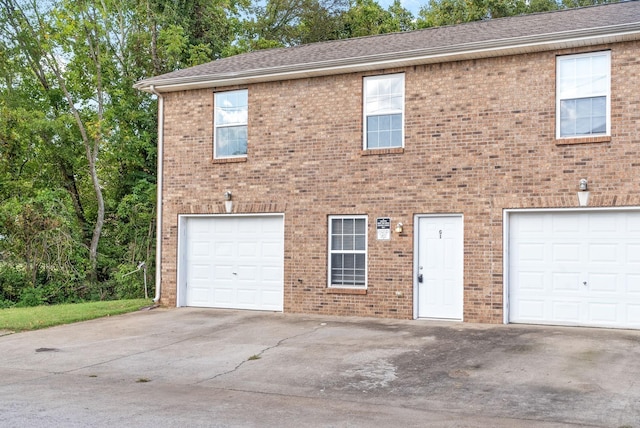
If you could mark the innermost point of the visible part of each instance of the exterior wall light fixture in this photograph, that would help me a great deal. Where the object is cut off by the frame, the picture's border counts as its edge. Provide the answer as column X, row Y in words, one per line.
column 228, row 203
column 399, row 228
column 583, row 194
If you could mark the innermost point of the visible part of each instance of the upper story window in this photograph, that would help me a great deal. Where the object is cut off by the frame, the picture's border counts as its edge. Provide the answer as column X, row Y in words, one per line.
column 348, row 251
column 230, row 124
column 384, row 111
column 583, row 95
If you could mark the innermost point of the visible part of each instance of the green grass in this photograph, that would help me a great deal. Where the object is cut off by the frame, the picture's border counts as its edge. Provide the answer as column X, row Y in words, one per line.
column 23, row 319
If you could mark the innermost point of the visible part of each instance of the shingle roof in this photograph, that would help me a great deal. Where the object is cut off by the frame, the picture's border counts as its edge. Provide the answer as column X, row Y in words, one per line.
column 533, row 32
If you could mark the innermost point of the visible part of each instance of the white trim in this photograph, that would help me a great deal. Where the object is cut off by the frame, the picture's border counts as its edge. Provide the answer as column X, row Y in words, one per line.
column 159, row 182
column 466, row 51
column 416, row 262
column 606, row 94
column 181, row 255
column 366, row 250
column 505, row 241
column 366, row 114
column 217, row 126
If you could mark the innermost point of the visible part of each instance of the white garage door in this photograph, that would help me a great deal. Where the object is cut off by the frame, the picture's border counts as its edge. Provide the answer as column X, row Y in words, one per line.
column 234, row 262
column 575, row 268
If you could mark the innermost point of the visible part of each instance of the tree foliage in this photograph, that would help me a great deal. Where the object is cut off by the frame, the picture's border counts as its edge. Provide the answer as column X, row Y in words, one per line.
column 78, row 143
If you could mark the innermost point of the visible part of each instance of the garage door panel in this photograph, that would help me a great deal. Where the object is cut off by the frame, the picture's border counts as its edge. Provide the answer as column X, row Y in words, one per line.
column 565, row 281
column 633, row 283
column 633, row 315
column 590, row 268
column 247, row 296
column 531, row 281
column 532, row 310
column 601, row 313
column 603, row 253
column 563, row 225
column 566, row 253
column 247, row 274
column 247, row 249
column 200, row 248
column 237, row 262
column 200, row 271
column 568, row 311
column 223, row 296
column 603, row 283
column 529, row 252
column 221, row 272
column 633, row 253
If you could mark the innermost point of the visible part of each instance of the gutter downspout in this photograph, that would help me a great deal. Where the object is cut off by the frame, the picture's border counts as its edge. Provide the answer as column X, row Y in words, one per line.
column 159, row 172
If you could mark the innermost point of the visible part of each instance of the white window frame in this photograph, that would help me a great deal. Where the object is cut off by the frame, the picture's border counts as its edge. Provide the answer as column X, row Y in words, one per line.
column 331, row 251
column 605, row 91
column 366, row 106
column 231, row 124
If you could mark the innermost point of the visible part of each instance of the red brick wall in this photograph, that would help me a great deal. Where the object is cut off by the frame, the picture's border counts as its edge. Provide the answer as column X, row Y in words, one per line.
column 479, row 138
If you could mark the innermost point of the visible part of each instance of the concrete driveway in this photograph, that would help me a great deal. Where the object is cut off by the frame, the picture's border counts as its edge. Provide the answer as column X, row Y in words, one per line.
column 207, row 367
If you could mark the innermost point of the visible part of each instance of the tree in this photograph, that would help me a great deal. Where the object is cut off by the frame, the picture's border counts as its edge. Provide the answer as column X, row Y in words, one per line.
column 450, row 12
column 280, row 23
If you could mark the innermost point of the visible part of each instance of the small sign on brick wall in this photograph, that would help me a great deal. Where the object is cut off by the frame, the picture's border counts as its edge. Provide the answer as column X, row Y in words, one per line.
column 383, row 228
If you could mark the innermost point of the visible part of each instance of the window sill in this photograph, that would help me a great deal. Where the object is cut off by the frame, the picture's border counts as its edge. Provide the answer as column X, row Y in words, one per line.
column 230, row 160
column 332, row 290
column 583, row 140
column 372, row 152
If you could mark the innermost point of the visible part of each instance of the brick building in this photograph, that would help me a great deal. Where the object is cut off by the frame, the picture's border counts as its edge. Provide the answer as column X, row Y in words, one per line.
column 485, row 172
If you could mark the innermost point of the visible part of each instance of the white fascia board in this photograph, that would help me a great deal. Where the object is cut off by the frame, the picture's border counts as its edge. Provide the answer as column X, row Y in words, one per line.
column 466, row 51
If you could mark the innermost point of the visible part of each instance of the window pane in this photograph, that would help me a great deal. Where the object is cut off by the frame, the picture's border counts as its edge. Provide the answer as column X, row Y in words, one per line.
column 372, row 140
column 336, row 242
column 384, row 139
column 384, row 122
column 599, row 124
column 347, row 242
column 387, row 131
column 347, row 225
column 567, row 128
column 599, row 106
column 583, row 126
column 231, row 107
column 348, row 257
column 231, row 141
column 349, row 261
column 586, row 116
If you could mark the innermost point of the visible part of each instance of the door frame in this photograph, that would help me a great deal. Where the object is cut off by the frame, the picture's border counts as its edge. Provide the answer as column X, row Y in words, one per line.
column 506, row 213
column 182, row 245
column 416, row 258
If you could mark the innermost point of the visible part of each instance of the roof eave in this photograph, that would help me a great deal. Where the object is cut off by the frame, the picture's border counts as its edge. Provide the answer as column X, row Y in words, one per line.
column 467, row 51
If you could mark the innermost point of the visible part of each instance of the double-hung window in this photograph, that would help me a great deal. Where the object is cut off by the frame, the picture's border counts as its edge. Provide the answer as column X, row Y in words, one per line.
column 348, row 251
column 383, row 111
column 583, row 96
column 230, row 123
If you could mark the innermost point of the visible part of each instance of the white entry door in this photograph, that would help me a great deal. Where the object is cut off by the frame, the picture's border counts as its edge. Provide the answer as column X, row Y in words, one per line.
column 234, row 262
column 575, row 268
column 439, row 281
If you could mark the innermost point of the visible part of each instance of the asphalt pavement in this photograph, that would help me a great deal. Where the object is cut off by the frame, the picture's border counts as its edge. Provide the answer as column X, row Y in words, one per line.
column 191, row 367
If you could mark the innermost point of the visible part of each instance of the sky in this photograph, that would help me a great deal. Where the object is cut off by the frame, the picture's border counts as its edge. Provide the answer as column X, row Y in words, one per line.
column 412, row 5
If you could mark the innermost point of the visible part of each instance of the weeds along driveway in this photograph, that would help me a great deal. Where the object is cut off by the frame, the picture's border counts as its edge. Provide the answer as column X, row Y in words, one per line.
column 208, row 367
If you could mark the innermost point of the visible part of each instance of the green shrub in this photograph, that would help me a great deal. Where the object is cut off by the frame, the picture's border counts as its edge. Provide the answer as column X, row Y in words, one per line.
column 129, row 285
column 12, row 281
column 31, row 297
